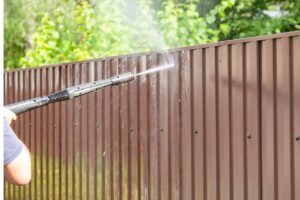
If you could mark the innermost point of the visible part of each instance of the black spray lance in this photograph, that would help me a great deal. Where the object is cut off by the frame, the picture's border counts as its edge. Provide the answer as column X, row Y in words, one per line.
column 69, row 93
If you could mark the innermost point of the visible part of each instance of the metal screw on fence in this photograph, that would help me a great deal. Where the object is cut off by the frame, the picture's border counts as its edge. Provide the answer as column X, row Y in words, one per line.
column 298, row 138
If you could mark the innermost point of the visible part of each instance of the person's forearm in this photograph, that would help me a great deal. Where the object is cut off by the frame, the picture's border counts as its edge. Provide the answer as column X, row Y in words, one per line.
column 19, row 170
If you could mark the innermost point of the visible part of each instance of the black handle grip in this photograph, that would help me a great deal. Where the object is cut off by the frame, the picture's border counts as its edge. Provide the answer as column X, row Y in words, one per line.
column 59, row 96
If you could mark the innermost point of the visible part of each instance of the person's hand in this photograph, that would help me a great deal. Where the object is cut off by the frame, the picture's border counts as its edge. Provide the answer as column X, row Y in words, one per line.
column 9, row 115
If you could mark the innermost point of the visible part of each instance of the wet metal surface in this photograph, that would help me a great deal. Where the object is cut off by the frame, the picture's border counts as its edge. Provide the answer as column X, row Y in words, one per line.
column 223, row 124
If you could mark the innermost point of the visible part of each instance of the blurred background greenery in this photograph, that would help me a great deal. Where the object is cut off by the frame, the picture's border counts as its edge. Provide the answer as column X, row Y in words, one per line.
column 41, row 32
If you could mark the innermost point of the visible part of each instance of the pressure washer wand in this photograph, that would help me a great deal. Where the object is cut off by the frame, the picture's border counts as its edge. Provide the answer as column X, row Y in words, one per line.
column 69, row 93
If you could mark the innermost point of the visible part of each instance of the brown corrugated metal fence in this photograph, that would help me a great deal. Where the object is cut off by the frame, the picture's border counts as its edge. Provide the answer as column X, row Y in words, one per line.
column 224, row 124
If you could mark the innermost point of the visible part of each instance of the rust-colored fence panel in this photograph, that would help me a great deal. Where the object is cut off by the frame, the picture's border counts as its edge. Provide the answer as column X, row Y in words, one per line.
column 223, row 124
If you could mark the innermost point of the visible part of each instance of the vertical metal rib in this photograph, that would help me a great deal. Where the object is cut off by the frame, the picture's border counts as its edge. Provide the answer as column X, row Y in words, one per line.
column 192, row 124
column 204, row 52
column 275, row 118
column 244, row 78
column 230, row 118
column 292, row 135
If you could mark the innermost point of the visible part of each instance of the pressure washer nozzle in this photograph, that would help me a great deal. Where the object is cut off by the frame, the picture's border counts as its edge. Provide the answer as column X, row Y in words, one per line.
column 122, row 78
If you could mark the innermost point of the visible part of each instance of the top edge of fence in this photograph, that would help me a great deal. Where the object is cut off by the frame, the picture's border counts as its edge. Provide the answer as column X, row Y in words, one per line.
column 173, row 50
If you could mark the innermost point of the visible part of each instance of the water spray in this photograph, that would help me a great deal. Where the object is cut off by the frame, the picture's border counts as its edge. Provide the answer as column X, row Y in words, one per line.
column 149, row 71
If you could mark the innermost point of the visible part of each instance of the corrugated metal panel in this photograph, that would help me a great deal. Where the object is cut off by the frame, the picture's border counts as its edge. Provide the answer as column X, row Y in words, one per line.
column 223, row 124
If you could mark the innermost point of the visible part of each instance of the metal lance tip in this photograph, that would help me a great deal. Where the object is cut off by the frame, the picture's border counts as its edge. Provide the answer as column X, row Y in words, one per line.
column 122, row 78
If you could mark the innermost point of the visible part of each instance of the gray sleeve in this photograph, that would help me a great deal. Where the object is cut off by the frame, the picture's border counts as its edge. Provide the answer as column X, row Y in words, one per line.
column 12, row 145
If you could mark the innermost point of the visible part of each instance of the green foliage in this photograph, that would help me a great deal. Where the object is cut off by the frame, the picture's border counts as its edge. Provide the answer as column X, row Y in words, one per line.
column 62, row 37
column 93, row 32
column 244, row 18
column 70, row 31
column 90, row 32
column 21, row 20
column 181, row 25
column 14, row 33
